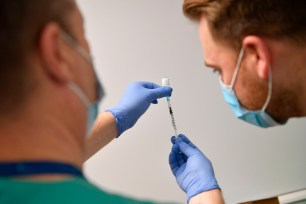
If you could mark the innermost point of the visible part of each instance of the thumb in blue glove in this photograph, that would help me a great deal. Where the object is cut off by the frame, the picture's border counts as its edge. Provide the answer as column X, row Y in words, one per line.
column 193, row 170
column 135, row 102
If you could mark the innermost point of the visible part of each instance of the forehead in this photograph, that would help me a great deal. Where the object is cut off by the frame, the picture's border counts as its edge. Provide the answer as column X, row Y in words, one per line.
column 214, row 49
column 209, row 44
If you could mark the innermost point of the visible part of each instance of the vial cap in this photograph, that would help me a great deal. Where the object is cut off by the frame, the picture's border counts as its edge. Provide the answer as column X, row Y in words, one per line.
column 165, row 82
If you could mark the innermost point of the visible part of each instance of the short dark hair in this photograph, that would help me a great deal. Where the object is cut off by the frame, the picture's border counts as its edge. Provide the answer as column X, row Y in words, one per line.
column 21, row 23
column 232, row 20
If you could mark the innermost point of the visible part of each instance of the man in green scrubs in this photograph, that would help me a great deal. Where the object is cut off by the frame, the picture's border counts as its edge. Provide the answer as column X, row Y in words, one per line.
column 49, row 122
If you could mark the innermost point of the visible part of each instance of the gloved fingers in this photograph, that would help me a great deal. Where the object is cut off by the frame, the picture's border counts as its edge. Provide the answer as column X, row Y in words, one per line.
column 156, row 91
column 173, row 139
column 185, row 148
column 148, row 85
column 185, row 139
column 174, row 164
column 180, row 159
column 161, row 92
column 155, row 102
column 185, row 158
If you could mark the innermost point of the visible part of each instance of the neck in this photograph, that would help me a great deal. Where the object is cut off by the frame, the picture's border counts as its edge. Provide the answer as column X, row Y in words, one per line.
column 48, row 129
column 298, row 81
column 289, row 84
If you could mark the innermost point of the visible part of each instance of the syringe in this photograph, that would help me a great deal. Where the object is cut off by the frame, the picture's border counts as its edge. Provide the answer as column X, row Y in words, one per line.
column 166, row 82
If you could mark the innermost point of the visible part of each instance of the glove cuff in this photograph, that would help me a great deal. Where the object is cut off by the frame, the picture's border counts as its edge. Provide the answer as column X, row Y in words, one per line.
column 190, row 195
column 118, row 122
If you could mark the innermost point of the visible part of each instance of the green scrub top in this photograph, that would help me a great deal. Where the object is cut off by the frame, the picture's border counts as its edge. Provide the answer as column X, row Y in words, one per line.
column 72, row 191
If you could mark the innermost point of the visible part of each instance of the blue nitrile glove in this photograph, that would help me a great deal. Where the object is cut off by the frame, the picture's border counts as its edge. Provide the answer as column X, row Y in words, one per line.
column 193, row 171
column 135, row 102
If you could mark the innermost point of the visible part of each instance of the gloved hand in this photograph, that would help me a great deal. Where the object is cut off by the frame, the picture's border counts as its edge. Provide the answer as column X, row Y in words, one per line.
column 193, row 171
column 135, row 102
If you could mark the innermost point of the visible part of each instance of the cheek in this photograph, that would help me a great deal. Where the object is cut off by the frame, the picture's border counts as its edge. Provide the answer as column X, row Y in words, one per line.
column 250, row 90
column 228, row 68
column 84, row 77
column 89, row 80
column 227, row 76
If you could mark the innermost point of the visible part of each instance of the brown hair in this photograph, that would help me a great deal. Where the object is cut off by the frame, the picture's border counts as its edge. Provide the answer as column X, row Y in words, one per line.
column 232, row 20
column 21, row 22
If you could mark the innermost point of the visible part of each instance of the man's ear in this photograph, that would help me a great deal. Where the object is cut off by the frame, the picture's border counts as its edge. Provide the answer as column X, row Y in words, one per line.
column 50, row 44
column 257, row 49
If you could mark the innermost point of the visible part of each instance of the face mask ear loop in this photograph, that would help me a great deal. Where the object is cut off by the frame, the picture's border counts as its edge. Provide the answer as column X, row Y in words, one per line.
column 270, row 91
column 80, row 94
column 80, row 49
column 239, row 61
column 89, row 58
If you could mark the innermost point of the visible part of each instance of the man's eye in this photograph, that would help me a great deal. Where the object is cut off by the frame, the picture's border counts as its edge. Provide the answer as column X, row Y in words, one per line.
column 216, row 71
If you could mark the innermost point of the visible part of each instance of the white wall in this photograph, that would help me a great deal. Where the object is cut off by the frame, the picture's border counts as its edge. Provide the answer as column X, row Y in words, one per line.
column 147, row 40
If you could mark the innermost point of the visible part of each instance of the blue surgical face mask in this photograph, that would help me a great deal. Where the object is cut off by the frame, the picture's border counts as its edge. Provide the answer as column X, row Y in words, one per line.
column 259, row 118
column 92, row 108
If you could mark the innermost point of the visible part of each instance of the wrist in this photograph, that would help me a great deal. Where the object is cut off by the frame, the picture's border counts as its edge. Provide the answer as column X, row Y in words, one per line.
column 208, row 197
column 104, row 131
column 118, row 121
column 108, row 116
column 105, row 122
